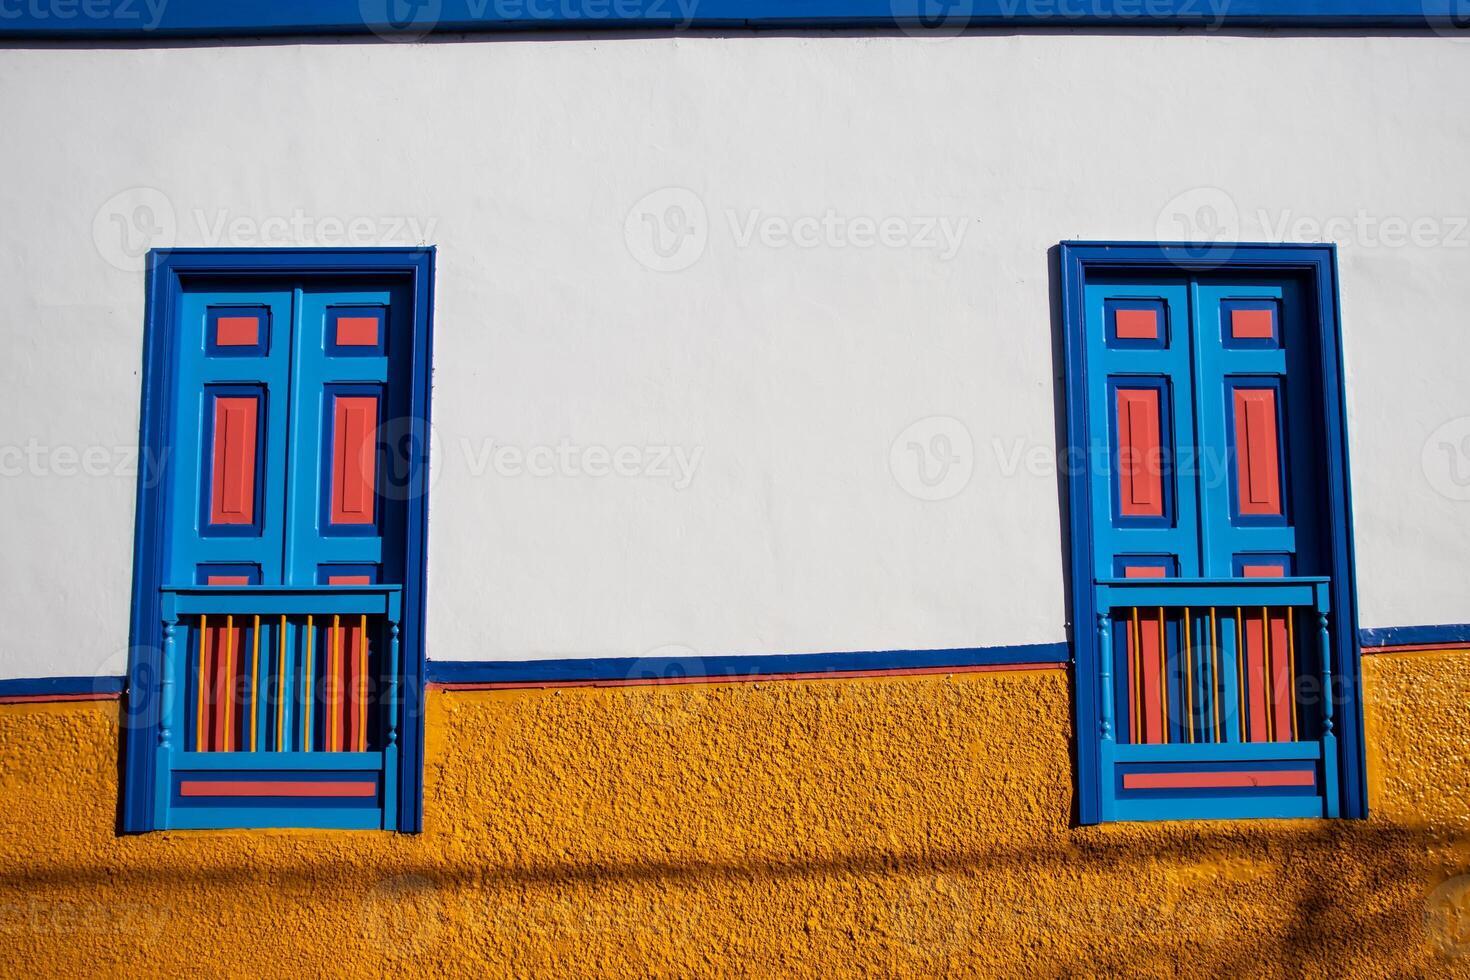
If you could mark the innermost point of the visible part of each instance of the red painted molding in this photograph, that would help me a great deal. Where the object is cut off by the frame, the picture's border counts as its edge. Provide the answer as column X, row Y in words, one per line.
column 1218, row 780
column 255, row 787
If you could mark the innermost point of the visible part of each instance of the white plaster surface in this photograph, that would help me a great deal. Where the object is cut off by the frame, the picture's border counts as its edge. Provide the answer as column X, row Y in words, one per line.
column 783, row 372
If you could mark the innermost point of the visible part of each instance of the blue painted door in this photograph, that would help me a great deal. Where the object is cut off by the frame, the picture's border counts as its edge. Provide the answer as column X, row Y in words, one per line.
column 1210, row 562
column 285, row 554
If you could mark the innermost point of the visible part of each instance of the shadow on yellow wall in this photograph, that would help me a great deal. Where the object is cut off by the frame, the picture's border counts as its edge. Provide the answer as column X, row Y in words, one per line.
column 905, row 826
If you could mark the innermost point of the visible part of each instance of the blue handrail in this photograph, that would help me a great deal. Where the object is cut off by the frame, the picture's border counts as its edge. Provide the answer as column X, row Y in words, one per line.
column 1300, row 591
column 272, row 600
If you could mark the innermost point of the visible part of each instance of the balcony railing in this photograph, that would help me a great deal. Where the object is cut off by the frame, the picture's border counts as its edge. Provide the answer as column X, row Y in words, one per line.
column 1214, row 661
column 260, row 669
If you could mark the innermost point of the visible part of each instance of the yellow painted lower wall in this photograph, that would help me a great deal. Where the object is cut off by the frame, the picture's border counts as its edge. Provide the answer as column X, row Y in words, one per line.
column 901, row 826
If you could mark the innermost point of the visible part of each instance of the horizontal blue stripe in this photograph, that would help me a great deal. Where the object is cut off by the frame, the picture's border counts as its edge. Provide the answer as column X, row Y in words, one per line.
column 31, row 686
column 651, row 668
column 218, row 18
column 743, row 665
column 1391, row 636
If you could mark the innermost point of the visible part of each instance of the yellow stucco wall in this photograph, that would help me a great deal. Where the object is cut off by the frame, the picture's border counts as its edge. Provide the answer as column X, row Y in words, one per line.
column 899, row 826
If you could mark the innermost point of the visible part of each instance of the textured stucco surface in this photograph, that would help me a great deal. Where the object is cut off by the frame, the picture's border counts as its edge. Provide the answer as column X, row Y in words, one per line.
column 913, row 826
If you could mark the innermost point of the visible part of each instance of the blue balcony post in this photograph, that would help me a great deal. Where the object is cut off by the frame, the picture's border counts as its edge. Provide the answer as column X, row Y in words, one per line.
column 1329, row 738
column 163, row 766
column 1105, row 714
column 1105, row 660
column 390, row 749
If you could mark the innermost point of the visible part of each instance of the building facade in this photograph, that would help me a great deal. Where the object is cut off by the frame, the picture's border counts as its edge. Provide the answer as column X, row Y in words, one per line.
column 735, row 489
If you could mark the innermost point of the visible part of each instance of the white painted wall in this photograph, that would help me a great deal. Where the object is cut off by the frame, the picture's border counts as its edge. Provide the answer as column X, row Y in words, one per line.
column 792, row 370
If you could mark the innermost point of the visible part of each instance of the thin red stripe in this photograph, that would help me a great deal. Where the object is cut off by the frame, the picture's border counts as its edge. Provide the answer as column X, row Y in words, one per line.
column 1418, row 647
column 1218, row 780
column 39, row 698
column 210, row 787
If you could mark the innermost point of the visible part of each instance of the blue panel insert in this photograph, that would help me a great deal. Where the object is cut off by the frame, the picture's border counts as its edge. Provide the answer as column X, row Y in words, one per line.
column 1236, row 383
column 1158, row 307
column 381, row 461
column 249, row 572
column 1169, row 563
column 207, row 527
column 335, row 313
column 260, row 348
column 1287, row 563
column 1232, row 342
column 1164, row 460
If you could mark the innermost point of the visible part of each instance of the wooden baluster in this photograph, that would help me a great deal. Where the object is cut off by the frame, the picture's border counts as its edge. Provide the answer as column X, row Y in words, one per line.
column 390, row 749
column 163, row 755
column 1329, row 738
column 203, row 645
column 255, row 686
column 1105, row 654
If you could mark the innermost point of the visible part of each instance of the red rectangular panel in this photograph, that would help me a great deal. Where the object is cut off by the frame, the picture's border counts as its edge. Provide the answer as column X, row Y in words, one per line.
column 1145, row 571
column 228, row 580
column 1136, row 324
column 1140, row 454
column 1262, row 571
column 354, row 458
column 237, row 331
column 1241, row 779
column 357, row 331
column 1251, row 324
column 254, row 787
column 349, row 580
column 232, row 494
column 1257, row 452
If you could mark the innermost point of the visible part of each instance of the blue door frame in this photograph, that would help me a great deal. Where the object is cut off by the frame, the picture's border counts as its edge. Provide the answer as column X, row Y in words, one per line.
column 1082, row 262
column 411, row 269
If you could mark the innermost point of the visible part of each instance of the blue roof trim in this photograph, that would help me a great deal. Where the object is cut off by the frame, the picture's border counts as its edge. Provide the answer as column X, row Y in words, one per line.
column 733, row 666
column 87, row 19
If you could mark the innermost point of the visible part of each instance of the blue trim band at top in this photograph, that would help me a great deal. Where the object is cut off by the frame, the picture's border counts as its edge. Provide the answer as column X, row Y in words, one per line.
column 413, row 18
column 738, row 665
